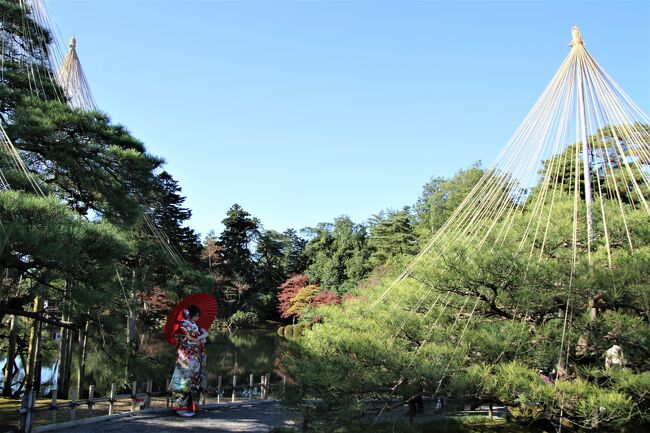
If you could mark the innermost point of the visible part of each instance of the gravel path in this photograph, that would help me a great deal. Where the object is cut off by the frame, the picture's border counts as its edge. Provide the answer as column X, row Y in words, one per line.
column 244, row 417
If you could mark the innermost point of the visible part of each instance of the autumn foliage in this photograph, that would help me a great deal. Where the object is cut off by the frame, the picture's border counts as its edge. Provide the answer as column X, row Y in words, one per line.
column 296, row 293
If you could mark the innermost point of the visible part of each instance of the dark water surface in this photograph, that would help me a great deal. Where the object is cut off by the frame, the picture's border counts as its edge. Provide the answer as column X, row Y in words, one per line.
column 241, row 352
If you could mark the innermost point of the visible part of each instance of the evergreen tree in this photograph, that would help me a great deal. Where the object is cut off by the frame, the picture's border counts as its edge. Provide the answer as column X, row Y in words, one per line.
column 391, row 235
column 440, row 197
column 170, row 217
column 269, row 257
column 83, row 244
column 294, row 261
column 478, row 323
column 338, row 255
column 237, row 268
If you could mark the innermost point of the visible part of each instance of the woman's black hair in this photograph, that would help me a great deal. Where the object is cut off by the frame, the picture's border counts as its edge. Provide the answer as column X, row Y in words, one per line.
column 194, row 310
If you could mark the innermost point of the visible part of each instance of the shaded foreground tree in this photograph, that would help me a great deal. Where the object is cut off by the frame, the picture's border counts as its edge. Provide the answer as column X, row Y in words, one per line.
column 75, row 194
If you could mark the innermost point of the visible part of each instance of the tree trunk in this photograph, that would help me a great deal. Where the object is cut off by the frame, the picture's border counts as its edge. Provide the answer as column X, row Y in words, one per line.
column 130, row 328
column 63, row 364
column 584, row 342
column 82, row 360
column 39, row 360
column 11, row 355
column 68, row 362
column 33, row 347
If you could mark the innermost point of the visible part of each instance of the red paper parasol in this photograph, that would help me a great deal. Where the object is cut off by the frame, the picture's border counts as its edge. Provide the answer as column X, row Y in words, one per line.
column 205, row 301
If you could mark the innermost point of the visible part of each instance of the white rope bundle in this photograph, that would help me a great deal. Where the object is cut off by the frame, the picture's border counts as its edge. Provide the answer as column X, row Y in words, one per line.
column 581, row 101
column 583, row 131
column 72, row 79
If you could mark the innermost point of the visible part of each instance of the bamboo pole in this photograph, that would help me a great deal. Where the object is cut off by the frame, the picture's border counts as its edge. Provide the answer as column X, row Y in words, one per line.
column 39, row 316
column 219, row 388
column 251, row 381
column 234, row 387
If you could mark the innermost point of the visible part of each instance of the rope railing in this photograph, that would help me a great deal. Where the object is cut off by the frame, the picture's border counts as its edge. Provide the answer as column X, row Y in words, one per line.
column 142, row 400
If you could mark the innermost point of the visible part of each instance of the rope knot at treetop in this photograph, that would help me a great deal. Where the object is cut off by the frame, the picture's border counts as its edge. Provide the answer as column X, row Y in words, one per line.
column 577, row 37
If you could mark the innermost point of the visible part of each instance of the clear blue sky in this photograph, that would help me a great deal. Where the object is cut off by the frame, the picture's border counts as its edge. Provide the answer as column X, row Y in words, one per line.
column 304, row 111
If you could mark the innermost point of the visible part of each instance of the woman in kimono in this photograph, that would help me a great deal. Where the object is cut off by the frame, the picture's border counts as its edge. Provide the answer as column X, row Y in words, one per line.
column 189, row 373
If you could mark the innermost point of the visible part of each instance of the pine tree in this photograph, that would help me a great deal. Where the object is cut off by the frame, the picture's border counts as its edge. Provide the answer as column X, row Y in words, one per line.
column 391, row 235
column 338, row 255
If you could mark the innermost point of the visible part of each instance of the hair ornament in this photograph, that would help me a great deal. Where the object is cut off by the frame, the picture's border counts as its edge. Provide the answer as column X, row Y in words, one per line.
column 186, row 313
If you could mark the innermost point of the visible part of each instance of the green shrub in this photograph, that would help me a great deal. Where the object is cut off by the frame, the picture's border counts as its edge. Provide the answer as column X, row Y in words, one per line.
column 243, row 319
column 288, row 331
column 297, row 329
column 281, row 331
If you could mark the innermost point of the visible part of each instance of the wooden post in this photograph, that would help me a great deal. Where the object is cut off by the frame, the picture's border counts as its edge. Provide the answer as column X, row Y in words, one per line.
column 27, row 414
column 267, row 381
column 91, row 395
column 111, row 402
column 11, row 355
column 251, row 381
column 73, row 408
column 167, row 393
column 147, row 398
column 54, row 406
column 219, row 389
column 262, row 387
column 134, row 395
column 234, row 386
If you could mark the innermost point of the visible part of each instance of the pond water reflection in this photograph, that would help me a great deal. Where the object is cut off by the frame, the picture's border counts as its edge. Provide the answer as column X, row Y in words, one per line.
column 240, row 352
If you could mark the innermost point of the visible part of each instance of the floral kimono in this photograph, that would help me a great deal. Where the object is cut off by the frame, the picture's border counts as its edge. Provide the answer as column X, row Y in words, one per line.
column 189, row 375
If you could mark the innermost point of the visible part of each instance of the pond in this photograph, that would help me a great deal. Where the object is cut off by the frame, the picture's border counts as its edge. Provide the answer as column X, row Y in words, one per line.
column 241, row 352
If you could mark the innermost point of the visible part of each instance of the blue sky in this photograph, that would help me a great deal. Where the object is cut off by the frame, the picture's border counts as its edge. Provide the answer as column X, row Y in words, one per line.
column 305, row 111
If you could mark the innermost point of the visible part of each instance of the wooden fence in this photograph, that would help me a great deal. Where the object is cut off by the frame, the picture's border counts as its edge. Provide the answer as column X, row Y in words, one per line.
column 138, row 400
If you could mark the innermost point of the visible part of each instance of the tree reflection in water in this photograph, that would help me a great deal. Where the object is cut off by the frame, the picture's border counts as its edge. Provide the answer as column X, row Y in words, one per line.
column 242, row 352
